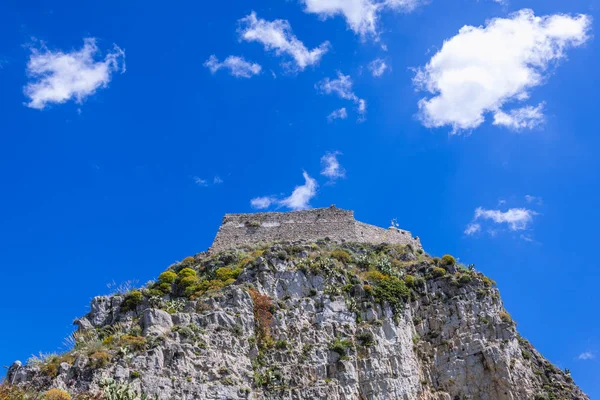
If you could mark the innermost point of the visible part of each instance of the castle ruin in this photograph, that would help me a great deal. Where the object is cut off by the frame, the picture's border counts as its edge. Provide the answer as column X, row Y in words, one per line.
column 238, row 230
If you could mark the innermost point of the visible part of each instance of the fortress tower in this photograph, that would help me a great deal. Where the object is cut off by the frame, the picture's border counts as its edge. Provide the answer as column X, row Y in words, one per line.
column 238, row 230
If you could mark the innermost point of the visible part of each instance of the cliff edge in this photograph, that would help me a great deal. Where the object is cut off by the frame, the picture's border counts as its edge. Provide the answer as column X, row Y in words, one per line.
column 326, row 319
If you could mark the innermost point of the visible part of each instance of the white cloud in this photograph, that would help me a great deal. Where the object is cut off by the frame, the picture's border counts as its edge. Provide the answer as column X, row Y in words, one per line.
column 533, row 199
column 298, row 200
column 205, row 183
column 472, row 229
column 527, row 117
column 262, row 202
column 57, row 77
column 277, row 35
column 516, row 218
column 378, row 67
column 526, row 238
column 362, row 16
column 237, row 66
column 342, row 86
column 200, row 181
column 338, row 114
column 588, row 355
column 482, row 69
column 331, row 166
column 301, row 196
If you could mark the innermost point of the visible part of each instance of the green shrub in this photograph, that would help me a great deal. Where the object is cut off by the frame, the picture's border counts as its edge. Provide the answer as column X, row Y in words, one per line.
column 366, row 338
column 392, row 291
column 281, row 344
column 134, row 342
column 188, row 261
column 505, row 317
column 155, row 293
column 448, row 260
column 50, row 369
column 225, row 273
column 10, row 392
column 437, row 272
column 465, row 279
column 167, row 277
column 132, row 300
column 194, row 291
column 57, row 394
column 410, row 281
column 165, row 288
column 99, row 359
column 340, row 346
column 184, row 273
column 188, row 281
column 375, row 276
column 488, row 282
column 342, row 256
column 436, row 260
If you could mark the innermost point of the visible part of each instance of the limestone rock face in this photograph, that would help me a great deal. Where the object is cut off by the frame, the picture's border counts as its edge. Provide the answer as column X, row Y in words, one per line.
column 156, row 322
column 312, row 327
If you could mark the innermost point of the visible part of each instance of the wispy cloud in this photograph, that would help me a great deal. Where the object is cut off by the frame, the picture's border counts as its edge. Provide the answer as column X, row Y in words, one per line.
column 516, row 218
column 378, row 67
column 342, row 86
column 237, row 66
column 484, row 68
column 200, row 181
column 472, row 229
column 57, row 77
column 277, row 36
column 298, row 200
column 533, row 199
column 205, row 182
column 262, row 202
column 338, row 114
column 362, row 16
column 331, row 166
column 527, row 117
column 588, row 355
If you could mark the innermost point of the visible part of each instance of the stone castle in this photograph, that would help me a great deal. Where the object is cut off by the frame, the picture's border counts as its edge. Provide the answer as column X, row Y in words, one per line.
column 238, row 230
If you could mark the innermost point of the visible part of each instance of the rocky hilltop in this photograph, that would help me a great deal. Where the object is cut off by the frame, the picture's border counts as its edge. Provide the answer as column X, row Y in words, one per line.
column 300, row 320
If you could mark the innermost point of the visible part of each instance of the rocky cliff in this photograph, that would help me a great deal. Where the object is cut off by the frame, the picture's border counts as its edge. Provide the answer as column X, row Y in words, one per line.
column 300, row 321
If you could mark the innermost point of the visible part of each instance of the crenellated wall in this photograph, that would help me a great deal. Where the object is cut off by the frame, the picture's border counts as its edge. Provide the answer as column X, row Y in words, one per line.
column 338, row 225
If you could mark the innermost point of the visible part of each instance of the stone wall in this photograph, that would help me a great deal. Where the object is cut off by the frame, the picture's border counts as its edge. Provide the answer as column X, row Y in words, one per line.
column 238, row 230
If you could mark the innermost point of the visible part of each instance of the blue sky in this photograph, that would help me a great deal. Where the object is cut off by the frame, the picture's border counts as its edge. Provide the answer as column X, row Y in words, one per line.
column 130, row 128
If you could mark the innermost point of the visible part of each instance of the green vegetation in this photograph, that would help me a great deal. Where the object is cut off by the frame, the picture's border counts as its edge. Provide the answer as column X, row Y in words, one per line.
column 224, row 274
column 342, row 256
column 341, row 346
column 506, row 318
column 438, row 272
column 132, row 300
column 188, row 261
column 57, row 394
column 186, row 272
column 448, row 260
column 167, row 277
column 366, row 338
column 390, row 276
